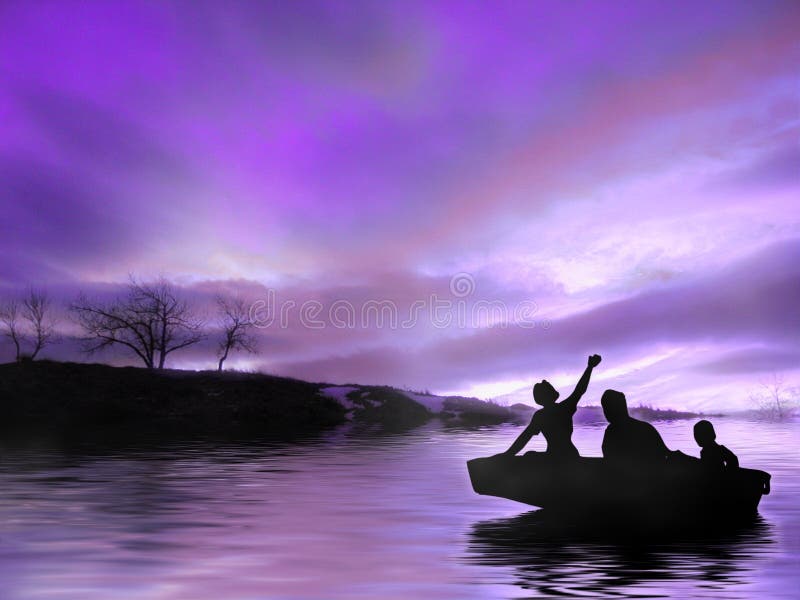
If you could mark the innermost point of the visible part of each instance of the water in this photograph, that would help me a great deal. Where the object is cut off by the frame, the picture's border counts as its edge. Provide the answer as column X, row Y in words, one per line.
column 358, row 515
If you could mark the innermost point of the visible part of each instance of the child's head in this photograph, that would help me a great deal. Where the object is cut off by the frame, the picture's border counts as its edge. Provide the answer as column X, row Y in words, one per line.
column 704, row 433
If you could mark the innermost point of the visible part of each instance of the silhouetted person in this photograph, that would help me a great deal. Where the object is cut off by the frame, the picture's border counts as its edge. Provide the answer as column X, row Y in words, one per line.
column 554, row 419
column 713, row 455
column 628, row 441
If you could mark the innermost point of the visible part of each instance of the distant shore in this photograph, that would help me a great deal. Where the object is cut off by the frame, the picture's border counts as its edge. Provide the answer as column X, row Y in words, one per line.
column 77, row 397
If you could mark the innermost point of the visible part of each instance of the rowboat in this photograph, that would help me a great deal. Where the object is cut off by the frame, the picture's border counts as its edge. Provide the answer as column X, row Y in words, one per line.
column 680, row 489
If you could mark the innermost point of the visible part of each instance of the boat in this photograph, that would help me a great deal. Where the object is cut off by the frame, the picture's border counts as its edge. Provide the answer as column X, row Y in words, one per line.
column 682, row 488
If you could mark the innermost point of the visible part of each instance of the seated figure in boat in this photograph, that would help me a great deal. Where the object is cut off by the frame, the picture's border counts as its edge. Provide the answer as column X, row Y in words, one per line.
column 629, row 442
column 713, row 455
column 554, row 419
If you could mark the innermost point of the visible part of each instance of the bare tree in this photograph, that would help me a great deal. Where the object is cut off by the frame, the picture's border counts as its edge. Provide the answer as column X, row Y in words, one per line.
column 236, row 327
column 150, row 319
column 776, row 399
column 10, row 319
column 37, row 311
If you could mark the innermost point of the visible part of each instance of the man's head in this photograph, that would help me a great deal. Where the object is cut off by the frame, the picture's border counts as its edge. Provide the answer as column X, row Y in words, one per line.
column 544, row 394
column 615, row 407
column 704, row 433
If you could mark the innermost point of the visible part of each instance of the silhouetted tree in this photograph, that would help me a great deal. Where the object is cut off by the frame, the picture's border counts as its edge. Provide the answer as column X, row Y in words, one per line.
column 10, row 319
column 29, row 321
column 37, row 311
column 150, row 319
column 236, row 327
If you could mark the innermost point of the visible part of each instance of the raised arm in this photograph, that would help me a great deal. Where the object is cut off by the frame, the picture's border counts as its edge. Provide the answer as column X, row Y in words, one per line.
column 531, row 430
column 583, row 382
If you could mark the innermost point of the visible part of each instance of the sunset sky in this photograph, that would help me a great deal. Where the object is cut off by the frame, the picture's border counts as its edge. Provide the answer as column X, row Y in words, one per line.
column 629, row 172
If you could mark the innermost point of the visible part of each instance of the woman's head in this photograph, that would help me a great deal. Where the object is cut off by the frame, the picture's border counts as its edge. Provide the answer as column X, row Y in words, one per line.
column 544, row 394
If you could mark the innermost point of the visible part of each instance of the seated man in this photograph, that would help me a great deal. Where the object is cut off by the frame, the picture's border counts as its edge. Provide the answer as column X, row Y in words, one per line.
column 628, row 441
column 713, row 455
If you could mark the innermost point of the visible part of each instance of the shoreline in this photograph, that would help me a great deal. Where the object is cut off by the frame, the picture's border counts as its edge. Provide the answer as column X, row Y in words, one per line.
column 88, row 397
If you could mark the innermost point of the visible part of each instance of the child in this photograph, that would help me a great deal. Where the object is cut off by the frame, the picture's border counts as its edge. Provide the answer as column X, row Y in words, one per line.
column 713, row 455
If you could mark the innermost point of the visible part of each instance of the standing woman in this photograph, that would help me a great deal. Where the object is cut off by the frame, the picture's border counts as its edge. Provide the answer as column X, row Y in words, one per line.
column 554, row 419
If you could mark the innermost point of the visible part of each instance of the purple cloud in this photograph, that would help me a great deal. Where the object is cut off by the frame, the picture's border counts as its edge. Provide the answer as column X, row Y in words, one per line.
column 756, row 300
column 614, row 164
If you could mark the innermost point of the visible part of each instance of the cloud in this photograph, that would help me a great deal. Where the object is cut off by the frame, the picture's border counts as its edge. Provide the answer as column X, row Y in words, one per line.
column 780, row 168
column 610, row 168
column 755, row 300
column 376, row 136
column 92, row 134
column 754, row 360
column 48, row 217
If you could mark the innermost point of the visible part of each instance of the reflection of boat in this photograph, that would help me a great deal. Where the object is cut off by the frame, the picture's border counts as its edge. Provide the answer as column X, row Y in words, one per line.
column 589, row 486
column 551, row 558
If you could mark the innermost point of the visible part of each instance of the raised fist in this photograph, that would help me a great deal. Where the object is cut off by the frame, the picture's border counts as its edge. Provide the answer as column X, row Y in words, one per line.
column 594, row 360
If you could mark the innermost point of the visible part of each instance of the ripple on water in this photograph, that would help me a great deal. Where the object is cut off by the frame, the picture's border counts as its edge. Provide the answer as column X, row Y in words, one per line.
column 360, row 516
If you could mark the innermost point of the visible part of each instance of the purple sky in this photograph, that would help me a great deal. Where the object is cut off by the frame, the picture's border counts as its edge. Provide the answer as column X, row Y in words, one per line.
column 632, row 168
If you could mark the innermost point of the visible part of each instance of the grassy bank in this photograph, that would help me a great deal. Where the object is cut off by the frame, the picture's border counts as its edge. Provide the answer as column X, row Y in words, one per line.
column 52, row 395
column 95, row 398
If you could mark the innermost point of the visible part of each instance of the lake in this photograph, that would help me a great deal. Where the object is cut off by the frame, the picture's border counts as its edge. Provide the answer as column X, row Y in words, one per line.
column 358, row 514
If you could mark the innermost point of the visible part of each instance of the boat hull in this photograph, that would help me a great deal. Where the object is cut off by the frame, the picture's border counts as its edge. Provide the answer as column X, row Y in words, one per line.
column 589, row 486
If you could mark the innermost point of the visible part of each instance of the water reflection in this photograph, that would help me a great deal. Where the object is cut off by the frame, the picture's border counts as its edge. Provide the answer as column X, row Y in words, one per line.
column 551, row 558
column 353, row 513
